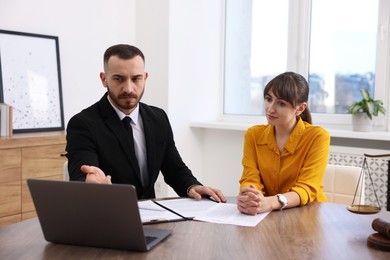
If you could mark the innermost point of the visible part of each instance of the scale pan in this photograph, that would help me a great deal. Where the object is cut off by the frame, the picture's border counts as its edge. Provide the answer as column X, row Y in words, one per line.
column 364, row 209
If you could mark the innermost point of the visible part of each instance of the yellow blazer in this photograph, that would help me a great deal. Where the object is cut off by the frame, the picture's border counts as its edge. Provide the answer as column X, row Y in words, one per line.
column 300, row 167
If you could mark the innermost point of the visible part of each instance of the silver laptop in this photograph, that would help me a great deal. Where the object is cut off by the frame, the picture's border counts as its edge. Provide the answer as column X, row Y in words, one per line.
column 97, row 215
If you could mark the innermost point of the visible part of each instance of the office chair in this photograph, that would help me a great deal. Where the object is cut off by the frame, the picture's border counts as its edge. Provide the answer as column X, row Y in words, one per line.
column 340, row 184
column 66, row 172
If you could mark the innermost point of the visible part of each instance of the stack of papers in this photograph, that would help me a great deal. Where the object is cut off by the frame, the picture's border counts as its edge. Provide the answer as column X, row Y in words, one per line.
column 202, row 210
column 5, row 120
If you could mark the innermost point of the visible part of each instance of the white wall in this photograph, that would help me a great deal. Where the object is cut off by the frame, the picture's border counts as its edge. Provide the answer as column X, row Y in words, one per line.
column 85, row 29
column 152, row 31
column 194, row 79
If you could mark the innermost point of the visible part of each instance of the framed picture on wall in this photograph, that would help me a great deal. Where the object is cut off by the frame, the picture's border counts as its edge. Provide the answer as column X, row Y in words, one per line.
column 30, row 81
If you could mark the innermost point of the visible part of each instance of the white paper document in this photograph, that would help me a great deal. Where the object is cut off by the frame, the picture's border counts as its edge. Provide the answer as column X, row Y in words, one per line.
column 225, row 213
column 189, row 208
column 202, row 210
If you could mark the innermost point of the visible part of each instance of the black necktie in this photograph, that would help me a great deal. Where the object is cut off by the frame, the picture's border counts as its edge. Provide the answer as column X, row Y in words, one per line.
column 126, row 122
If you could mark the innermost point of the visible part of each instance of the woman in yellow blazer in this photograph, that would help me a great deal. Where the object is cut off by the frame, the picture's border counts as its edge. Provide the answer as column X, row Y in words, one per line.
column 284, row 161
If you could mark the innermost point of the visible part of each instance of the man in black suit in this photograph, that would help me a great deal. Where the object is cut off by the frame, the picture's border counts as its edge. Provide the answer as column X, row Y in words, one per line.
column 102, row 147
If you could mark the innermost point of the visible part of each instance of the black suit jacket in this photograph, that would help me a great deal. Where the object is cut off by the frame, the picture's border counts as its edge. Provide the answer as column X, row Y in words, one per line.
column 96, row 136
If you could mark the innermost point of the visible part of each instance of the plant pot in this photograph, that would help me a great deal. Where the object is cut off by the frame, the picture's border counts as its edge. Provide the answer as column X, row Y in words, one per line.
column 361, row 122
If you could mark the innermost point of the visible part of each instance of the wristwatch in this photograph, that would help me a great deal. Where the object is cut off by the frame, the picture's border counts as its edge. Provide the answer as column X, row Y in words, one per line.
column 283, row 200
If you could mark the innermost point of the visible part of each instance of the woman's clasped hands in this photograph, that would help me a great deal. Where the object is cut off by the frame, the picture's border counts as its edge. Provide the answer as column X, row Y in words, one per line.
column 251, row 201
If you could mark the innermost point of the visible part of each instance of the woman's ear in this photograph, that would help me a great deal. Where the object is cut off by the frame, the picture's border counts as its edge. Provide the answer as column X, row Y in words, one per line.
column 301, row 107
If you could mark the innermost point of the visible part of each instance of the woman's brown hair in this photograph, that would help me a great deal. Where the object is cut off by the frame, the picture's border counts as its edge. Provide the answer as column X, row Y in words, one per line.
column 292, row 88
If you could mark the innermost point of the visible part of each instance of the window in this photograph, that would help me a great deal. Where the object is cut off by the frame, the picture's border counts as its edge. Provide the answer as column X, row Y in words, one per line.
column 342, row 53
column 256, row 51
column 339, row 45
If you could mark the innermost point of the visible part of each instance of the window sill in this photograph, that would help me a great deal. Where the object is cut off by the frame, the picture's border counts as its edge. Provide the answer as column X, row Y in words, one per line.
column 339, row 133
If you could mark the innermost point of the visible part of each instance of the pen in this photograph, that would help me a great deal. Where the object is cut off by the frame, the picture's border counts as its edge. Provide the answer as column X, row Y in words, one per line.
column 161, row 220
column 154, row 221
column 212, row 199
column 157, row 220
column 174, row 212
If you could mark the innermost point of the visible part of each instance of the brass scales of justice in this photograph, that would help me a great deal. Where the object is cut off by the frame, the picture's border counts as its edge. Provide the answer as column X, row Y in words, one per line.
column 361, row 207
column 381, row 239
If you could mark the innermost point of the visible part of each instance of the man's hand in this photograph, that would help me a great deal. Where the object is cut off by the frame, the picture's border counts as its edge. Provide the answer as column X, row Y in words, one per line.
column 95, row 175
column 198, row 191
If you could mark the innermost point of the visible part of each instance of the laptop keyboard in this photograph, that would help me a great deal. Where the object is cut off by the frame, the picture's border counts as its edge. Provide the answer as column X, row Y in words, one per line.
column 149, row 239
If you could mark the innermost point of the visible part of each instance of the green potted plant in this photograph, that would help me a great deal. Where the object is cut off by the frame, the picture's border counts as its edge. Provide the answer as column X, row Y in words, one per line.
column 364, row 110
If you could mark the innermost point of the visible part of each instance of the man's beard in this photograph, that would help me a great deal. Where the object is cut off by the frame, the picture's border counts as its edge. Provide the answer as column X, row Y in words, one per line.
column 124, row 105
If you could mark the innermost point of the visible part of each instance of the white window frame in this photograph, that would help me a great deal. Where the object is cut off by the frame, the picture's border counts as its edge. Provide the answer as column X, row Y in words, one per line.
column 298, row 60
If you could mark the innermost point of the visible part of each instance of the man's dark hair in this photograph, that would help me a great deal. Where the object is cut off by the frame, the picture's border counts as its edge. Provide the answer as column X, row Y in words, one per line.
column 123, row 51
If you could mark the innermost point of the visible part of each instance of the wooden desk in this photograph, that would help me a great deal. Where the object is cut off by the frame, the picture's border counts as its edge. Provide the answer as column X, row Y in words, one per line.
column 317, row 231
